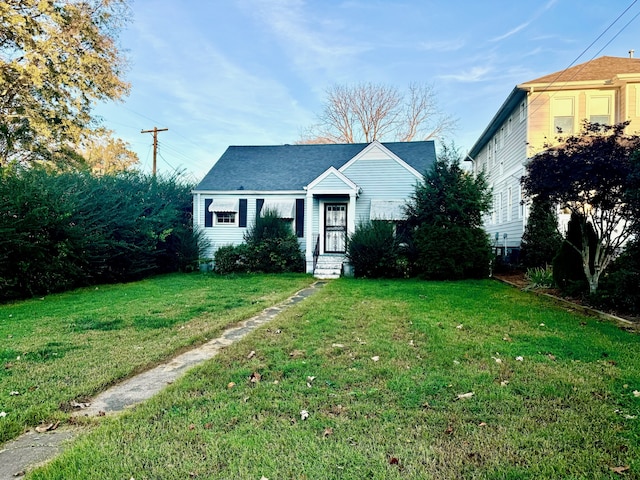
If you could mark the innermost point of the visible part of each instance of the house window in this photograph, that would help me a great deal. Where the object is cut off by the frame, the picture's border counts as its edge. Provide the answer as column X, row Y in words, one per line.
column 509, row 125
column 523, row 111
column 563, row 109
column 502, row 135
column 224, row 210
column 490, row 156
column 600, row 110
column 225, row 218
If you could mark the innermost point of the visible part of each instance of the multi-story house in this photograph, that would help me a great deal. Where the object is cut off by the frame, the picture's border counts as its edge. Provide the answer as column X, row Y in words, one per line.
column 537, row 113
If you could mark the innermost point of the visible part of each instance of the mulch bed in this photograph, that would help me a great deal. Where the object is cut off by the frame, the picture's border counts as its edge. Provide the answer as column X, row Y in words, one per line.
column 518, row 279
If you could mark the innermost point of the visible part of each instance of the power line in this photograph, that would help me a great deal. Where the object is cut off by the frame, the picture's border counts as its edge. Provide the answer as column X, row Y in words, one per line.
column 560, row 73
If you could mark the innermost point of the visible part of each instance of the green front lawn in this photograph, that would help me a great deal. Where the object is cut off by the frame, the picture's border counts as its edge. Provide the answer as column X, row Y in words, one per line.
column 67, row 347
column 400, row 379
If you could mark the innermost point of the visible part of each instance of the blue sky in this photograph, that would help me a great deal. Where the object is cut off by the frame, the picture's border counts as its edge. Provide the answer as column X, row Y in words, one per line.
column 254, row 72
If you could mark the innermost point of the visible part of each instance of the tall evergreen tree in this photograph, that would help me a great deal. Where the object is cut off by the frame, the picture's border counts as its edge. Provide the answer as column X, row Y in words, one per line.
column 541, row 239
column 445, row 213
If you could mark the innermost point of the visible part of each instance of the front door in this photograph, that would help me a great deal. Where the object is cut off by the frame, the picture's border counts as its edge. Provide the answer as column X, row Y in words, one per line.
column 335, row 227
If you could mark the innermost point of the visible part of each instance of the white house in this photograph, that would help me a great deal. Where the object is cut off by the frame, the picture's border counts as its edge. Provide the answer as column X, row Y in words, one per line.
column 323, row 190
column 605, row 90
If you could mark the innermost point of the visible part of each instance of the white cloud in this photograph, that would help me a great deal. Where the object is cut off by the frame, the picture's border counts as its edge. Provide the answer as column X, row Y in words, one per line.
column 442, row 45
column 474, row 74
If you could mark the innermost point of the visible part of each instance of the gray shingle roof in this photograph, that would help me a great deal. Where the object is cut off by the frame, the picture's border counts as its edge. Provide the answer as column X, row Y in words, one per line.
column 291, row 167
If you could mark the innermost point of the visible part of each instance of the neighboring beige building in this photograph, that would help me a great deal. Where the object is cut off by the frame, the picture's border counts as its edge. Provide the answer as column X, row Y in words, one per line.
column 605, row 90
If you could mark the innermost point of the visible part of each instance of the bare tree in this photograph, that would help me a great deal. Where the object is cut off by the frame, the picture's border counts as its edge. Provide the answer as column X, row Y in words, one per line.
column 366, row 112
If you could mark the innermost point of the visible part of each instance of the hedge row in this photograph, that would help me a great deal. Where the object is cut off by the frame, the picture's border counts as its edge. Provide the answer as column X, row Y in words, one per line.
column 63, row 230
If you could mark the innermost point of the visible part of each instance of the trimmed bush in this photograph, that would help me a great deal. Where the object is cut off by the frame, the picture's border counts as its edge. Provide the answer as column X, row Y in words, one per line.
column 372, row 250
column 61, row 230
column 230, row 259
column 270, row 247
column 452, row 253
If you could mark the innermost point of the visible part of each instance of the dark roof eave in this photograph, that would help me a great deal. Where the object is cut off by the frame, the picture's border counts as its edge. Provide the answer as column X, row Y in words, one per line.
column 514, row 98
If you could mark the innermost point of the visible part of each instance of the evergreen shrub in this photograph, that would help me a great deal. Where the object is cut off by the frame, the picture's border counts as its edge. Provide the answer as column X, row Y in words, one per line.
column 373, row 251
column 619, row 289
column 62, row 230
column 541, row 239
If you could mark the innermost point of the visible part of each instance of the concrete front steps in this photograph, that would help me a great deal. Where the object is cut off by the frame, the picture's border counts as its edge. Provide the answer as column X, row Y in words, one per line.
column 329, row 266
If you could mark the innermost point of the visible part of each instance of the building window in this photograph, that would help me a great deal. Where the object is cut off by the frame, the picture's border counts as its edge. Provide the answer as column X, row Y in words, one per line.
column 520, row 203
column 502, row 136
column 497, row 209
column 600, row 110
column 225, row 218
column 509, row 125
column 523, row 111
column 563, row 109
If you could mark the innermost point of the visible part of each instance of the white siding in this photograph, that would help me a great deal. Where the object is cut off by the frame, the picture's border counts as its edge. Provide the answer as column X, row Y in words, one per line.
column 504, row 175
column 379, row 179
column 221, row 235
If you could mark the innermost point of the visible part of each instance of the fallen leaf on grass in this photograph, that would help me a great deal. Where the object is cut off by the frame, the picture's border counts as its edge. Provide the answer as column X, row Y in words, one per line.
column 482, row 424
column 636, row 393
column 14, row 393
column 310, row 381
column 620, row 469
column 520, row 359
column 252, row 354
column 192, row 426
column 551, row 357
column 337, row 345
column 459, row 327
column 231, row 384
column 327, row 431
column 449, row 430
column 304, row 414
column 504, row 383
column 255, row 377
column 394, row 461
column 297, row 354
column 464, row 396
column 376, row 358
column 80, row 405
column 47, row 427
column 506, row 338
column 3, row 414
column 498, row 360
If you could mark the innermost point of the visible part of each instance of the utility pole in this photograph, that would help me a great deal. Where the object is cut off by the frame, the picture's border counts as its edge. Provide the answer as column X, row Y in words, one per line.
column 155, row 143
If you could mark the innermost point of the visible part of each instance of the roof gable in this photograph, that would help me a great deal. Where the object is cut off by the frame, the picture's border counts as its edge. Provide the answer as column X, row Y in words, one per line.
column 376, row 150
column 293, row 167
column 600, row 69
column 333, row 174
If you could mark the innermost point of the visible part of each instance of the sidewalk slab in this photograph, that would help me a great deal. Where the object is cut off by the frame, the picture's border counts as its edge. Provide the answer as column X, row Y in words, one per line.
column 33, row 449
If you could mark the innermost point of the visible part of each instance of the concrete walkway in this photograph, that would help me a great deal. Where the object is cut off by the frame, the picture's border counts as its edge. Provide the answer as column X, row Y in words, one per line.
column 32, row 448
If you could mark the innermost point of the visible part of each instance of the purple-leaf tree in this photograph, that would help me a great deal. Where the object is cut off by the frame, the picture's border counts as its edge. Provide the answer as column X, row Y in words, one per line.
column 590, row 174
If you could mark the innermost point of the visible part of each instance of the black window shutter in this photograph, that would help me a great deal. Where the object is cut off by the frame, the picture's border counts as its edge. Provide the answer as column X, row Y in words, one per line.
column 300, row 217
column 208, row 216
column 242, row 214
column 259, row 203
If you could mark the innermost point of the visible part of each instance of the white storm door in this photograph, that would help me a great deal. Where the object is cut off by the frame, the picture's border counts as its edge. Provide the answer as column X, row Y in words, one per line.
column 335, row 227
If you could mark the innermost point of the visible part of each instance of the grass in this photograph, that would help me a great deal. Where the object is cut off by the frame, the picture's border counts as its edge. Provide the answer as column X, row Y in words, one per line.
column 67, row 347
column 389, row 359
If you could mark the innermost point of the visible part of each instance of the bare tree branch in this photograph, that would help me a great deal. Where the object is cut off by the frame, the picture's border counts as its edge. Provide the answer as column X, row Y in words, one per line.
column 366, row 112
